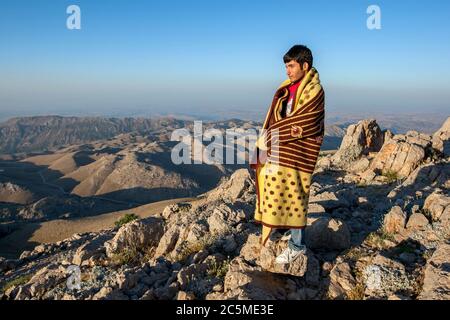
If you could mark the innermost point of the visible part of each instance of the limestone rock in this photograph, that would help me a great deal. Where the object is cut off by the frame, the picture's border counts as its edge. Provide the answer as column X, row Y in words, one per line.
column 168, row 241
column 108, row 293
column 438, row 205
column 399, row 155
column 384, row 277
column 303, row 264
column 251, row 250
column 173, row 209
column 45, row 279
column 239, row 186
column 136, row 234
column 182, row 295
column 441, row 138
column 341, row 281
column 360, row 139
column 360, row 165
column 395, row 220
column 91, row 249
column 417, row 221
column 436, row 284
column 243, row 281
column 223, row 218
column 327, row 233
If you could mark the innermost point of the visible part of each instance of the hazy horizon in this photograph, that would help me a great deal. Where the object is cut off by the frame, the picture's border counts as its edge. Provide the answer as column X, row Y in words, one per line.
column 211, row 59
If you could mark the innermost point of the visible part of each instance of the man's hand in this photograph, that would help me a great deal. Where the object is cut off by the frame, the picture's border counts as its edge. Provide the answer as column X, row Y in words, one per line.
column 319, row 139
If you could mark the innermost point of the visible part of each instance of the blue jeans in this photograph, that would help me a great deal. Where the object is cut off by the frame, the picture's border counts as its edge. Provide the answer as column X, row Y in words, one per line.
column 297, row 240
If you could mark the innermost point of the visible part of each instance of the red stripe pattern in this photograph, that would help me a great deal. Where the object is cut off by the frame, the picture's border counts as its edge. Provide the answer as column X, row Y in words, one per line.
column 295, row 141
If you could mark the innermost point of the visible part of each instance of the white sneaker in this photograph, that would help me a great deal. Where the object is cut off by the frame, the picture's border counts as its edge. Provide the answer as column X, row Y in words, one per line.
column 289, row 255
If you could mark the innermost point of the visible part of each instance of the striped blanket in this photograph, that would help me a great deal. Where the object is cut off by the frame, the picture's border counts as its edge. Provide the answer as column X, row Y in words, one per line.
column 294, row 141
column 286, row 154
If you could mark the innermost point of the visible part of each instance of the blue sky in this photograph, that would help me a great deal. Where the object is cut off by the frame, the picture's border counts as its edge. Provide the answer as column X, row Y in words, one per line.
column 207, row 57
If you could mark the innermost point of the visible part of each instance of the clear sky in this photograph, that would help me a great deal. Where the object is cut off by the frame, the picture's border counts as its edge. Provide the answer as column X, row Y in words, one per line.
column 214, row 56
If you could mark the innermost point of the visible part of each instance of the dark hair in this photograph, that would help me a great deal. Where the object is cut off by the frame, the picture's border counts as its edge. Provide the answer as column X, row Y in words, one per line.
column 299, row 53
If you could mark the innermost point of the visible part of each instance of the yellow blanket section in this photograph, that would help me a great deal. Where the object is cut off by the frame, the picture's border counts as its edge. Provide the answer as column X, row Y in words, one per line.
column 283, row 198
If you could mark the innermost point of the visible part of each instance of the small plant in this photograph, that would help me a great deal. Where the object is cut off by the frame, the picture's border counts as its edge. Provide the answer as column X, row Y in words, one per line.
column 384, row 235
column 377, row 239
column 354, row 254
column 191, row 248
column 426, row 255
column 357, row 293
column 125, row 219
column 219, row 270
column 16, row 282
column 127, row 256
column 391, row 176
column 132, row 255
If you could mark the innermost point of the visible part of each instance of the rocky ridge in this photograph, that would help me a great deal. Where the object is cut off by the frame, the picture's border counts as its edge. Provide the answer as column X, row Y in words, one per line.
column 378, row 228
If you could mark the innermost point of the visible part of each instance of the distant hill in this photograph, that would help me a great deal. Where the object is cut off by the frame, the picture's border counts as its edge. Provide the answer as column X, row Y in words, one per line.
column 396, row 123
column 40, row 133
column 44, row 133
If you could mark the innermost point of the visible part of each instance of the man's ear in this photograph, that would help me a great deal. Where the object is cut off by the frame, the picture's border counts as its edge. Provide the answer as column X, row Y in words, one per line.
column 305, row 66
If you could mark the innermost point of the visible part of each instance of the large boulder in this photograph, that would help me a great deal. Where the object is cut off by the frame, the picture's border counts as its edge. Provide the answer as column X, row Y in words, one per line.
column 137, row 234
column 417, row 221
column 305, row 265
column 395, row 220
column 436, row 283
column 384, row 277
column 431, row 174
column 402, row 154
column 253, row 252
column 91, row 251
column 341, row 281
column 223, row 218
column 238, row 186
column 168, row 241
column 425, row 176
column 441, row 138
column 360, row 139
column 246, row 282
column 328, row 234
column 437, row 205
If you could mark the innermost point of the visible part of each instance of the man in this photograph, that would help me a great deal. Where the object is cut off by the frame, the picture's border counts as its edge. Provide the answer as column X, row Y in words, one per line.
column 287, row 152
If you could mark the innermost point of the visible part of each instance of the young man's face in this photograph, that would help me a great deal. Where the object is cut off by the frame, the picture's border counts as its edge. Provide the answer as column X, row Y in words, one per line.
column 295, row 71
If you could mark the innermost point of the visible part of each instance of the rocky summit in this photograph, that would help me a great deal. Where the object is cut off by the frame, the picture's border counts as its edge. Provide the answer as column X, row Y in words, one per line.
column 378, row 228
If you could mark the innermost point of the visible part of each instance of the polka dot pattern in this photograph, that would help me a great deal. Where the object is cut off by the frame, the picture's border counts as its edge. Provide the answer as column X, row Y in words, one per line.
column 286, row 194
